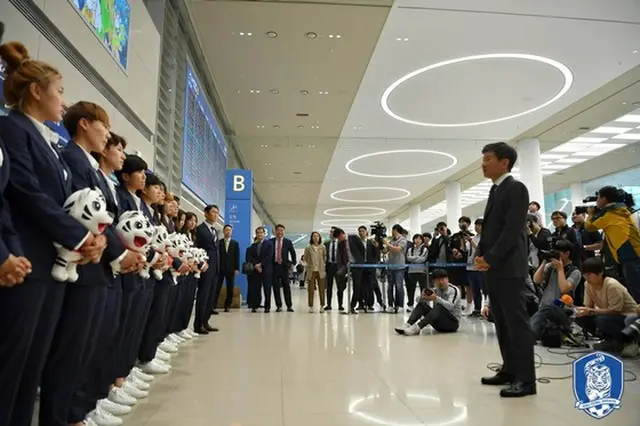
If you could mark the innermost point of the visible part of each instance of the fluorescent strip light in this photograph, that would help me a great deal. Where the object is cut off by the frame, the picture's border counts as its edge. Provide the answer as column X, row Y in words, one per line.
column 628, row 137
column 557, row 166
column 546, row 156
column 611, row 130
column 631, row 118
column 589, row 153
column 572, row 160
column 605, row 147
column 548, row 172
column 586, row 139
column 571, row 147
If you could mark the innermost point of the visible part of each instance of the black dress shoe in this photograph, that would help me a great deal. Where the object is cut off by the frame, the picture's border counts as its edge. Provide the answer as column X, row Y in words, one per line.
column 278, row 309
column 500, row 379
column 214, row 312
column 254, row 310
column 226, row 309
column 289, row 309
column 266, row 311
column 327, row 308
column 399, row 330
column 518, row 390
column 212, row 329
column 200, row 331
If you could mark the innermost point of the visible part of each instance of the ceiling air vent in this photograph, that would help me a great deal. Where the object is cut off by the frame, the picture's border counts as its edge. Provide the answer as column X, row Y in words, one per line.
column 297, row 173
column 302, row 114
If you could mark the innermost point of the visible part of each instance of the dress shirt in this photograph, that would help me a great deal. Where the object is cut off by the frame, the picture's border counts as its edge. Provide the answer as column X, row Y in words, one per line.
column 51, row 137
column 501, row 179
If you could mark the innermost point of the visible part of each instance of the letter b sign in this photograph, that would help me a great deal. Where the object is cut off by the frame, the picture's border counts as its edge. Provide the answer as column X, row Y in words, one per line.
column 238, row 183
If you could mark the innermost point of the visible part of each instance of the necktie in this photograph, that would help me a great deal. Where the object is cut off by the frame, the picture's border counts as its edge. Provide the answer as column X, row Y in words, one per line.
column 213, row 234
column 279, row 251
column 333, row 251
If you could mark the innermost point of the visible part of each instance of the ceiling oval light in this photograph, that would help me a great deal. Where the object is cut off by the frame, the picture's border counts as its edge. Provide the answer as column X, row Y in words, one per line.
column 349, row 164
column 335, row 212
column 345, row 222
column 564, row 70
column 404, row 194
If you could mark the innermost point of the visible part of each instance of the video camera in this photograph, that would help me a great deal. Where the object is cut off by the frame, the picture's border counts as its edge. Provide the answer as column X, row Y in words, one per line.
column 591, row 199
column 378, row 230
column 549, row 254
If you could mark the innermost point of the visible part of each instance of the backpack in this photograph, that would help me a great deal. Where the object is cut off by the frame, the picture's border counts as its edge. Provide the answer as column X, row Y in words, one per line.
column 552, row 336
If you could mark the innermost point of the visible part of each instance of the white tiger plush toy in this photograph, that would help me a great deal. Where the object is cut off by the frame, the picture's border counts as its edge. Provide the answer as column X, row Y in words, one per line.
column 159, row 247
column 177, row 248
column 136, row 233
column 88, row 207
column 200, row 256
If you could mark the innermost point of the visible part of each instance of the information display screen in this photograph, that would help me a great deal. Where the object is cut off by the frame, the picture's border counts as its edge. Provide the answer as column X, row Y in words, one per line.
column 204, row 151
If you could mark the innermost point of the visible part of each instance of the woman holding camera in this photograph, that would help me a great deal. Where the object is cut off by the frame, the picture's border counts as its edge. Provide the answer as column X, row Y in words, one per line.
column 613, row 215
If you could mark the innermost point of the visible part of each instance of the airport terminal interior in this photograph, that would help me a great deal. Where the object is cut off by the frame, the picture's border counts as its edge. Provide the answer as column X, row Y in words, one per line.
column 359, row 123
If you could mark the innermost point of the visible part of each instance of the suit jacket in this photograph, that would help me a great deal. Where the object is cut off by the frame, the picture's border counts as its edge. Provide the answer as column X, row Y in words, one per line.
column 358, row 250
column 229, row 259
column 9, row 239
column 264, row 256
column 39, row 184
column 309, row 258
column 504, row 243
column 209, row 242
column 85, row 176
column 288, row 252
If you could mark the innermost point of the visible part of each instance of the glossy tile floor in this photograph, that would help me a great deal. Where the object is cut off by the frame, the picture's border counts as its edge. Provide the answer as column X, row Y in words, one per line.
column 301, row 369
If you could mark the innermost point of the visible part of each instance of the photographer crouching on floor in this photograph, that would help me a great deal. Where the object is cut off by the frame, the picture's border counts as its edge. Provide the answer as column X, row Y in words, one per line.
column 613, row 214
column 557, row 276
column 445, row 314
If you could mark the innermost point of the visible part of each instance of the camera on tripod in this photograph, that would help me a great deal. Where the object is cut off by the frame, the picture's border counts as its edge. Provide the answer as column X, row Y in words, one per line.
column 591, row 199
column 378, row 230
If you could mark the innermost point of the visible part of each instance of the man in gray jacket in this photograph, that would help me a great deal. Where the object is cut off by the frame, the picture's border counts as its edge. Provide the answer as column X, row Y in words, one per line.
column 444, row 316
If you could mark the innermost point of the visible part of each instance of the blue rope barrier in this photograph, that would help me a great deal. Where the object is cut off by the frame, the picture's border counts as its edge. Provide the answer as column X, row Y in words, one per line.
column 410, row 266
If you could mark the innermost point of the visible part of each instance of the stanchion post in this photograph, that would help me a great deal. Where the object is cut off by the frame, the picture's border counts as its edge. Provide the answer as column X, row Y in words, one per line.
column 349, row 283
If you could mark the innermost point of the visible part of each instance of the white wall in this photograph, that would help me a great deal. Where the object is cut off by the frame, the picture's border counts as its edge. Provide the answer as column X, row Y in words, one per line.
column 255, row 219
column 138, row 87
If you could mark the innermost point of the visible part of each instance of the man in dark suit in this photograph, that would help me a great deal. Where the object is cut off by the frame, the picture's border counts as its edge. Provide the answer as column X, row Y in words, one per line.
column 331, row 269
column 229, row 265
column 207, row 239
column 502, row 255
column 362, row 251
column 284, row 256
column 260, row 255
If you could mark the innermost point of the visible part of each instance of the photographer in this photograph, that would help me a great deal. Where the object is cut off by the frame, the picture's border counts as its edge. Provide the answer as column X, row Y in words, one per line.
column 460, row 247
column 539, row 238
column 557, row 276
column 397, row 248
column 565, row 232
column 613, row 215
column 591, row 240
column 416, row 274
column 445, row 314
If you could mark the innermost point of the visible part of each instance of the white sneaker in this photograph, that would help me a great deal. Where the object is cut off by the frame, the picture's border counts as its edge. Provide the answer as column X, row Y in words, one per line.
column 168, row 347
column 88, row 422
column 311, row 310
column 192, row 333
column 141, row 375
column 134, row 391
column 185, row 335
column 154, row 368
column 630, row 350
column 321, row 310
column 162, row 355
column 161, row 363
column 175, row 339
column 103, row 418
column 137, row 383
column 119, row 396
column 113, row 408
column 412, row 330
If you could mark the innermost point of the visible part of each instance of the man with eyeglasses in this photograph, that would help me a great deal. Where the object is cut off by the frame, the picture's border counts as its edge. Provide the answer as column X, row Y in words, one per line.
column 565, row 232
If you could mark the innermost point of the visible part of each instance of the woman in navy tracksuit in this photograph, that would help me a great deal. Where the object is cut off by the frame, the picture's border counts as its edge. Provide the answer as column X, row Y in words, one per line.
column 39, row 184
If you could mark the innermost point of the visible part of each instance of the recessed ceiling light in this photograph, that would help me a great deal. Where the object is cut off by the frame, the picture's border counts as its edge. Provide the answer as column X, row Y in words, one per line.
column 323, row 93
column 260, row 126
column 315, row 127
column 304, row 92
column 311, row 146
column 611, row 130
column 274, row 91
column 311, row 35
column 272, row 34
column 404, row 194
column 635, row 51
column 276, row 126
column 334, row 212
column 254, row 91
column 628, row 137
column 267, row 164
column 566, row 72
column 453, row 160
column 546, row 156
column 357, row 127
column 586, row 139
column 264, row 146
column 402, row 39
column 630, row 118
column 571, row 147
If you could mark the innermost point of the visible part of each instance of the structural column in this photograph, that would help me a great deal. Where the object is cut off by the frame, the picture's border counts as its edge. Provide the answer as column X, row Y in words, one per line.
column 415, row 223
column 577, row 194
column 454, row 205
column 531, row 170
